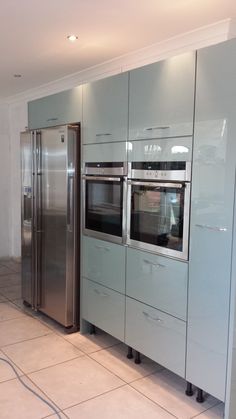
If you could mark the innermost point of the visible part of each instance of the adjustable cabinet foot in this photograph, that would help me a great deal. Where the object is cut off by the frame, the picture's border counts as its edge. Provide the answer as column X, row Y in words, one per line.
column 130, row 353
column 137, row 358
column 189, row 389
column 200, row 397
column 92, row 330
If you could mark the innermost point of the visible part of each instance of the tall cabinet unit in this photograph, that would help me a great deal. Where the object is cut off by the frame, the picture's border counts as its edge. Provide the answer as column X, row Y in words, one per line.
column 213, row 184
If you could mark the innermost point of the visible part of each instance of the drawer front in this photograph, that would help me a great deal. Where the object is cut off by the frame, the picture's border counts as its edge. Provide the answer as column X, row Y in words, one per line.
column 158, row 281
column 162, row 98
column 168, row 149
column 104, row 308
column 61, row 108
column 104, row 262
column 105, row 110
column 157, row 335
column 110, row 152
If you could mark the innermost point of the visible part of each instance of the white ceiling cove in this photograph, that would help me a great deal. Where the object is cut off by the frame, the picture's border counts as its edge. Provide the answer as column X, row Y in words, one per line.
column 33, row 33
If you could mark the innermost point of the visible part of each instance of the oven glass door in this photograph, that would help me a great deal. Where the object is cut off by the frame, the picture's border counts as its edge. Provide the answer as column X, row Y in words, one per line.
column 159, row 217
column 104, row 207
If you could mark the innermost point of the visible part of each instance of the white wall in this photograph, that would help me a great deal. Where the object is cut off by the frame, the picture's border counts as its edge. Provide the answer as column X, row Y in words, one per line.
column 4, row 182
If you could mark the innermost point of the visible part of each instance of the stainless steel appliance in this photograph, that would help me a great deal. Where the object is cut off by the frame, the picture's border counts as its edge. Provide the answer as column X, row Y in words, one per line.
column 50, row 222
column 158, row 207
column 104, row 198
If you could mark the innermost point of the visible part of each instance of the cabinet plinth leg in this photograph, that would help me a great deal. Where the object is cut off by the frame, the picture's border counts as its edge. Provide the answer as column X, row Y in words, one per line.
column 92, row 329
column 200, row 397
column 189, row 389
column 137, row 358
column 130, row 353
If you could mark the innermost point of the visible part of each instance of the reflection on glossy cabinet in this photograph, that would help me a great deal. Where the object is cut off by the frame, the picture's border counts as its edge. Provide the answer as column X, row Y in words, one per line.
column 61, row 108
column 105, row 110
column 161, row 100
column 214, row 160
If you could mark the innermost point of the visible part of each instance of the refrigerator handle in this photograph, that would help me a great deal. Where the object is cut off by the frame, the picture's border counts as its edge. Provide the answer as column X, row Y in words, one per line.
column 70, row 204
column 38, row 221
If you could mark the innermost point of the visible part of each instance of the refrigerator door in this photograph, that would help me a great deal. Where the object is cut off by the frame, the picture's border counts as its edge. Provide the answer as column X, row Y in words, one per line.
column 56, row 201
column 27, row 140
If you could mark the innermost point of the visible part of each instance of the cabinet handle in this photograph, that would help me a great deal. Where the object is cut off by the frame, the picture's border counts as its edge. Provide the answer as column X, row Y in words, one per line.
column 157, row 319
column 102, row 294
column 159, row 265
column 153, row 128
column 102, row 248
column 103, row 134
column 213, row 228
column 52, row 119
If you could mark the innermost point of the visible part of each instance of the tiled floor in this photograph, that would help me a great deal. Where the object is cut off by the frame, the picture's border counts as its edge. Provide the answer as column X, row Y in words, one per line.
column 85, row 377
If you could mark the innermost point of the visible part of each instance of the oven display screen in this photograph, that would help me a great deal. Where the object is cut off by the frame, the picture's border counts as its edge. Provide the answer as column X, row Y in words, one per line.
column 157, row 216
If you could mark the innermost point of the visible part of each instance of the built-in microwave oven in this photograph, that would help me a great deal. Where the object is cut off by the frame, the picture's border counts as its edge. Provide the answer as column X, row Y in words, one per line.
column 104, row 198
column 158, row 205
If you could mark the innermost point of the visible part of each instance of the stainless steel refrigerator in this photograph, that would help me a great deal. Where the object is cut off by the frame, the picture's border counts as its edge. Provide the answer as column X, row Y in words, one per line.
column 50, row 161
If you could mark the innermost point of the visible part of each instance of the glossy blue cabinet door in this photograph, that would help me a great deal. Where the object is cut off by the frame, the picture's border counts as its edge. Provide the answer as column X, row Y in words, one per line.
column 161, row 101
column 58, row 109
column 158, row 281
column 108, row 152
column 214, row 160
column 104, row 262
column 105, row 110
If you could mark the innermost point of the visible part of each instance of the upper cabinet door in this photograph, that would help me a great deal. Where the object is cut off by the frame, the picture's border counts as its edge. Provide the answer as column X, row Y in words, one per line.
column 62, row 108
column 105, row 110
column 162, row 98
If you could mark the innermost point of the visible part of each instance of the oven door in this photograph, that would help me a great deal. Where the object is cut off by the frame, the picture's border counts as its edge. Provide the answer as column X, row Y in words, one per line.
column 104, row 205
column 158, row 217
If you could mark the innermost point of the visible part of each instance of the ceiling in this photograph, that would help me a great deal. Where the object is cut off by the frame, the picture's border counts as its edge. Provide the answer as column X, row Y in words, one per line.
column 33, row 33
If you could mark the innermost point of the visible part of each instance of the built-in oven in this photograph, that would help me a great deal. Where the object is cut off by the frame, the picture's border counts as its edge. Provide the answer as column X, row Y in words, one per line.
column 105, row 193
column 158, row 205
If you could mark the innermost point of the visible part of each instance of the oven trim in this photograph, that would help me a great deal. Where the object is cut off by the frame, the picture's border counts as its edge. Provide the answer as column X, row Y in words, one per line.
column 154, row 248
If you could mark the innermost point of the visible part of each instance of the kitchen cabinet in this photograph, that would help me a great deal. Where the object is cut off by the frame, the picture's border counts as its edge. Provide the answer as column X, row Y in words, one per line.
column 161, row 100
column 157, row 335
column 109, row 152
column 213, row 188
column 104, row 262
column 158, row 281
column 105, row 110
column 61, row 108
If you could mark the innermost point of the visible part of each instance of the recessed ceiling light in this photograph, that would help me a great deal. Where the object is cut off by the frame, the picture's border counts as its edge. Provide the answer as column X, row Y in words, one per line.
column 72, row 38
column 17, row 76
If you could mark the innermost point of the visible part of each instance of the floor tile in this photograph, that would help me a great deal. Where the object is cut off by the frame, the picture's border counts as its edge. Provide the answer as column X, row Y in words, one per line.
column 123, row 403
column 168, row 390
column 17, row 330
column 6, row 372
column 217, row 412
column 2, row 298
column 10, row 280
column 115, row 359
column 42, row 352
column 12, row 265
column 8, row 311
column 75, row 381
column 92, row 343
column 4, row 270
column 19, row 403
column 62, row 416
column 12, row 293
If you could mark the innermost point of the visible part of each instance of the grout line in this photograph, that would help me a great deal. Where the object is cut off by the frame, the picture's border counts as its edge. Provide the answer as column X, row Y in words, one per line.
column 24, row 340
column 206, row 410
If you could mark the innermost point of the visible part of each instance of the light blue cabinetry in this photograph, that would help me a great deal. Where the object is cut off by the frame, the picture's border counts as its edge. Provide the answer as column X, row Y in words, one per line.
column 109, row 152
column 58, row 109
column 213, row 182
column 156, row 334
column 105, row 110
column 161, row 101
column 158, row 281
column 104, row 308
column 104, row 262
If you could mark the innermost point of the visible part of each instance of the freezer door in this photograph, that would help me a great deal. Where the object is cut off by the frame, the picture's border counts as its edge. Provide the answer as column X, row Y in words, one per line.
column 57, row 226
column 27, row 217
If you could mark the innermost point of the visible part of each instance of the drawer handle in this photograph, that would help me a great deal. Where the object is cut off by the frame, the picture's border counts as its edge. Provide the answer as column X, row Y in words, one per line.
column 153, row 128
column 157, row 319
column 213, row 228
column 159, row 265
column 103, row 134
column 102, row 294
column 52, row 119
column 102, row 248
